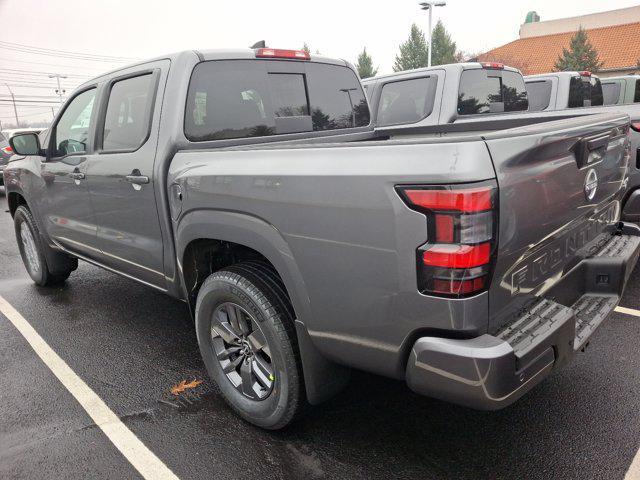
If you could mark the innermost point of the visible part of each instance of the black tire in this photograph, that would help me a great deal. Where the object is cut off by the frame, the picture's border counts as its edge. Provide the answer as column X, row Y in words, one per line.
column 258, row 291
column 40, row 270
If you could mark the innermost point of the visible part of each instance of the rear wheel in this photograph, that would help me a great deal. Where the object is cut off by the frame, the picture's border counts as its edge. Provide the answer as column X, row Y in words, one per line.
column 247, row 338
column 34, row 254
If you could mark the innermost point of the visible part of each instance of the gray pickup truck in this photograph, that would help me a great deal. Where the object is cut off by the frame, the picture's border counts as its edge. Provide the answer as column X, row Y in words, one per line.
column 251, row 185
column 621, row 90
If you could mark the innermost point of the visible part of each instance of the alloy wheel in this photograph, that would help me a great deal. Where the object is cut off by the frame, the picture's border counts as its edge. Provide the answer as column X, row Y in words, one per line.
column 242, row 350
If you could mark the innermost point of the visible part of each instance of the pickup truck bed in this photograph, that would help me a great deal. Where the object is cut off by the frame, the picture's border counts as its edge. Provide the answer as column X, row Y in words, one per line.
column 305, row 254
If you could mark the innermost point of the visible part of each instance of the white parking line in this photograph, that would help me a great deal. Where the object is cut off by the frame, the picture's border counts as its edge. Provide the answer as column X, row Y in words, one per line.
column 628, row 311
column 138, row 455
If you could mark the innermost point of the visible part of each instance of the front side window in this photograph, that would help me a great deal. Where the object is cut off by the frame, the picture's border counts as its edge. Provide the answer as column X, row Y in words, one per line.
column 406, row 101
column 253, row 98
column 490, row 91
column 72, row 131
column 128, row 116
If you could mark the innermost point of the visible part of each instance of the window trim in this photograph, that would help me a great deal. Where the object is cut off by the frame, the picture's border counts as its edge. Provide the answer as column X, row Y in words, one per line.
column 430, row 100
column 90, row 137
column 104, row 103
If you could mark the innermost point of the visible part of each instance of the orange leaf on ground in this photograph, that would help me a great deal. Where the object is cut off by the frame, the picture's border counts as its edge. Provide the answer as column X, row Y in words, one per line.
column 184, row 385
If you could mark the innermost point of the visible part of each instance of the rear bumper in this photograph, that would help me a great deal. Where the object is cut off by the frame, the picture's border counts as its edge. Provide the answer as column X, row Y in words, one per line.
column 492, row 371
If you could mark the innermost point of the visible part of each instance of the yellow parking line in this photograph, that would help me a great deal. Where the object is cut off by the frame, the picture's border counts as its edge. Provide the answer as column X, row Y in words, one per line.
column 130, row 446
column 628, row 311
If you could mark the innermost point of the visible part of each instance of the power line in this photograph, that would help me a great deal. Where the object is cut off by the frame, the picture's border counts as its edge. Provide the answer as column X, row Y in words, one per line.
column 63, row 53
column 35, row 73
column 41, row 63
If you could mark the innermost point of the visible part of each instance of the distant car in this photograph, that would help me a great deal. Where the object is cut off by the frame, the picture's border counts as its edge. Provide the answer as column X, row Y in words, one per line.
column 621, row 90
column 562, row 90
column 5, row 154
column 13, row 131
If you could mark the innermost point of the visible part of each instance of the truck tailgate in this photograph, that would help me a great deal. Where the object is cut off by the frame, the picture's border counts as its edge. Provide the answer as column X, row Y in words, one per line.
column 560, row 185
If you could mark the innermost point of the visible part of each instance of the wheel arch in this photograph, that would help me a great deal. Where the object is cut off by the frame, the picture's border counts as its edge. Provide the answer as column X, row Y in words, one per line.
column 223, row 236
column 14, row 200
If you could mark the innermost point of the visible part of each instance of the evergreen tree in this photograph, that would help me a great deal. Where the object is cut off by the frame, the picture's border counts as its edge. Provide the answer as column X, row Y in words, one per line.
column 580, row 56
column 305, row 48
column 444, row 49
column 365, row 65
column 413, row 52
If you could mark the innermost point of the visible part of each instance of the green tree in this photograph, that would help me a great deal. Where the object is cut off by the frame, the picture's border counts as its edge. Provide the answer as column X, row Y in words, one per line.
column 413, row 52
column 306, row 48
column 444, row 49
column 365, row 65
column 580, row 56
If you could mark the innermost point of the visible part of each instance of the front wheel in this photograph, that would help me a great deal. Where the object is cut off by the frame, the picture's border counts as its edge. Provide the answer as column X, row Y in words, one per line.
column 246, row 334
column 32, row 250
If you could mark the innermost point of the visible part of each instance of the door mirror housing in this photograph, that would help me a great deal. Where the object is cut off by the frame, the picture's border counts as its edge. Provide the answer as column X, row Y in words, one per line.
column 25, row 144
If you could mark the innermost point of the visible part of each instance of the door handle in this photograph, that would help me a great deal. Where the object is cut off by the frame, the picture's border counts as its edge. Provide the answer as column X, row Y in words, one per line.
column 136, row 178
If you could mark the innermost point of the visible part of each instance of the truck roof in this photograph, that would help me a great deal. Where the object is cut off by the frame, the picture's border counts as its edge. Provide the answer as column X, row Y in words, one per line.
column 557, row 74
column 214, row 54
column 448, row 68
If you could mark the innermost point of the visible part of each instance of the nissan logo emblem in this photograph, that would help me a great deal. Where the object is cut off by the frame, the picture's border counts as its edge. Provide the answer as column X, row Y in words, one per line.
column 591, row 184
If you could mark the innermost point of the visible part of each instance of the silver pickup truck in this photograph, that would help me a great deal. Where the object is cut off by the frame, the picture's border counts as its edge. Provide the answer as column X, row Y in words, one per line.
column 251, row 185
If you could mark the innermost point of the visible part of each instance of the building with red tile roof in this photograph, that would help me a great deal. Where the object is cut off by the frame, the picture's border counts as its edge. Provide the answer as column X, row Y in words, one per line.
column 614, row 34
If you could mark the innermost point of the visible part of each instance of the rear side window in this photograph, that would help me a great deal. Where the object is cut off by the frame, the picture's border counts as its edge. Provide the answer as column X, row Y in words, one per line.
column 406, row 101
column 253, row 98
column 636, row 96
column 611, row 93
column 491, row 91
column 128, row 117
column 539, row 95
column 585, row 92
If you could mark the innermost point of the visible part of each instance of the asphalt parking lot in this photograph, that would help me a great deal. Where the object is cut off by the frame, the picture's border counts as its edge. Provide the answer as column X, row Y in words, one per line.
column 131, row 345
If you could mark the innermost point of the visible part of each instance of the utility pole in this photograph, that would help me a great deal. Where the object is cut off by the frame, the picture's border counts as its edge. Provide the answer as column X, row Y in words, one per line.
column 59, row 91
column 15, row 110
column 429, row 6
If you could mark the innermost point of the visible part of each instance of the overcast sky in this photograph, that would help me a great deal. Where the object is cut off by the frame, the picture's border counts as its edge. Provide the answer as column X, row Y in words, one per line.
column 141, row 28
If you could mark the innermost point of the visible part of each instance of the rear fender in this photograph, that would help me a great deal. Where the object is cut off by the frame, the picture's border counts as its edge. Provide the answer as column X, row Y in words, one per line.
column 319, row 374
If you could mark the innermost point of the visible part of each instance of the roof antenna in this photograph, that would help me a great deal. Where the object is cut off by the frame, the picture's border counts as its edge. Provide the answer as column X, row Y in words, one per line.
column 260, row 44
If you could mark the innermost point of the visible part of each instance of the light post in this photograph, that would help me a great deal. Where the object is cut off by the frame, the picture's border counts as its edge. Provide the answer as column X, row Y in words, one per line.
column 429, row 6
column 15, row 110
column 353, row 113
column 59, row 91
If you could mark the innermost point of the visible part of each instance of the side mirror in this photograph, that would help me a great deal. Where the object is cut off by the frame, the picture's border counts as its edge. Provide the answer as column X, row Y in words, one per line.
column 25, row 144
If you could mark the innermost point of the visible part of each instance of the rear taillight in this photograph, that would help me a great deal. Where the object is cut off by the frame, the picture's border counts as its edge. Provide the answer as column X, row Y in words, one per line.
column 635, row 126
column 461, row 225
column 585, row 73
column 8, row 150
column 280, row 53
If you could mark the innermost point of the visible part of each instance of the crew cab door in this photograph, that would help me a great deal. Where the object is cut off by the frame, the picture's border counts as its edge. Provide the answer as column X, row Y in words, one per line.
column 64, row 204
column 120, row 175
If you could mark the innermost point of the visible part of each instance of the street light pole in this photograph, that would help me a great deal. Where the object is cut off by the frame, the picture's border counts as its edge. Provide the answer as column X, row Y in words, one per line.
column 59, row 91
column 15, row 110
column 429, row 6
